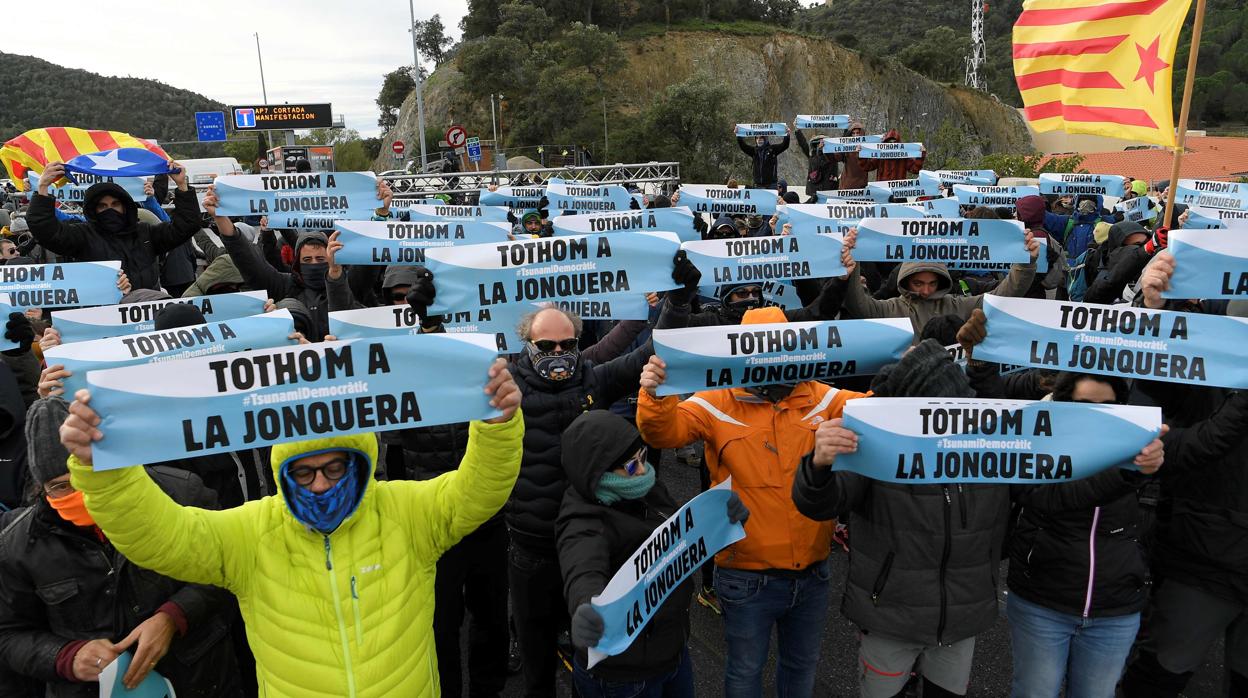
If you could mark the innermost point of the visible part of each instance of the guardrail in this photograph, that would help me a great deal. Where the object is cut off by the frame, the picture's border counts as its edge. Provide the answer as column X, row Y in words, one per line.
column 651, row 177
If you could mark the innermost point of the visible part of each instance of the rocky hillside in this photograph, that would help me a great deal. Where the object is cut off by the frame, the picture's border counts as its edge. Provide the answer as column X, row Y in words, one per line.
column 773, row 76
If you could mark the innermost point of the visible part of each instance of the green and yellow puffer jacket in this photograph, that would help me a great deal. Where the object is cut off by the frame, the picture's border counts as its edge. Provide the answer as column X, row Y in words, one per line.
column 348, row 614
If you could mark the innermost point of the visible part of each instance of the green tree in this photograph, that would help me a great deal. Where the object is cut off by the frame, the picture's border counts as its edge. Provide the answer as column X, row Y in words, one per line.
column 528, row 23
column 481, row 20
column 493, row 65
column 599, row 54
column 1030, row 166
column 685, row 123
column 431, row 39
column 939, row 55
column 246, row 150
column 396, row 85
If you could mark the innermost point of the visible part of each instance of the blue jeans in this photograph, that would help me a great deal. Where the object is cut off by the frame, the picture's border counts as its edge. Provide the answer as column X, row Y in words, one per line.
column 1051, row 647
column 676, row 684
column 753, row 602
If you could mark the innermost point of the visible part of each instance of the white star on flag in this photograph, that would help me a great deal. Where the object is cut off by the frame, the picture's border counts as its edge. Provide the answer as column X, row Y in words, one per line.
column 110, row 160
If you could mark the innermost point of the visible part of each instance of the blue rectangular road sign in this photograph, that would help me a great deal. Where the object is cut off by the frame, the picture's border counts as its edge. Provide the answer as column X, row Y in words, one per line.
column 210, row 125
column 474, row 151
column 244, row 117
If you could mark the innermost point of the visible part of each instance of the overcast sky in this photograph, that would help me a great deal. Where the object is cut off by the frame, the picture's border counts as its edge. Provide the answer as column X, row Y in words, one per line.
column 314, row 50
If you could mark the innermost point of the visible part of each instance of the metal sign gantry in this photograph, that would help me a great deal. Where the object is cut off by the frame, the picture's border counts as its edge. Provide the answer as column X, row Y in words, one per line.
column 651, row 177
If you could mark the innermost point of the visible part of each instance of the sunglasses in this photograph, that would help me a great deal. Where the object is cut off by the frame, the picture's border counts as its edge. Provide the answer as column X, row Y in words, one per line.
column 635, row 462
column 553, row 344
column 748, row 292
column 333, row 471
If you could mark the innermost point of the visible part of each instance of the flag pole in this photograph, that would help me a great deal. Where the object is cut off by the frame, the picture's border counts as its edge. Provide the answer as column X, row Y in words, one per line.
column 1187, row 104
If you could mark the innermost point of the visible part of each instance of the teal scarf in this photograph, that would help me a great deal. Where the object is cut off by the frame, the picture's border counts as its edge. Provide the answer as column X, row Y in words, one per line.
column 613, row 488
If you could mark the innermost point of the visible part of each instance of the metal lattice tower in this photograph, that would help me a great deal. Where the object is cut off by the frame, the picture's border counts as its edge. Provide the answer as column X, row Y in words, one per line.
column 975, row 60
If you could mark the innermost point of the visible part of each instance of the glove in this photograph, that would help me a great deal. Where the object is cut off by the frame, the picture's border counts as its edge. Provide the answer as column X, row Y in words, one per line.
column 1158, row 241
column 699, row 224
column 971, row 333
column 542, row 203
column 421, row 296
column 685, row 273
column 511, row 217
column 632, row 203
column 18, row 329
column 587, row 626
column 737, row 512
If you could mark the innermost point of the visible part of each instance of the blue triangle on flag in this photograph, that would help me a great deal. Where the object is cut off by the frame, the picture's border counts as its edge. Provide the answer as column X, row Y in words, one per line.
column 119, row 162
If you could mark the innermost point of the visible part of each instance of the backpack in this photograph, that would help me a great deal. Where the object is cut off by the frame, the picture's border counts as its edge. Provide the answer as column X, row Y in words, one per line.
column 1077, row 277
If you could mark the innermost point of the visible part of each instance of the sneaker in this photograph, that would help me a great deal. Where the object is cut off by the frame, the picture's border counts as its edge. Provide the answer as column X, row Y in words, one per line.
column 707, row 597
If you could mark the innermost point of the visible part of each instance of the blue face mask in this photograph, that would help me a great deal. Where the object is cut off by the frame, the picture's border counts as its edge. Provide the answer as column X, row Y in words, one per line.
column 326, row 511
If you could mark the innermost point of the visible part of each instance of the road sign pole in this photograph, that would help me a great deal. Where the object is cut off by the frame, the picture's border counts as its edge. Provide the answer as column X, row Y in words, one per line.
column 420, row 100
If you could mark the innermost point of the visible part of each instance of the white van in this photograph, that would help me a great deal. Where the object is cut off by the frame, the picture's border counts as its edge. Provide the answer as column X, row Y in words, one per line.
column 201, row 171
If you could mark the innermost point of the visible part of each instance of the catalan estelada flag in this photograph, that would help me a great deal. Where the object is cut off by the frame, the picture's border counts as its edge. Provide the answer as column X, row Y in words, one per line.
column 34, row 149
column 1103, row 68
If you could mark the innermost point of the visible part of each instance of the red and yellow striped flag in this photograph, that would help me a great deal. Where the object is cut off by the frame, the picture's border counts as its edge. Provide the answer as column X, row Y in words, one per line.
column 34, row 149
column 1103, row 68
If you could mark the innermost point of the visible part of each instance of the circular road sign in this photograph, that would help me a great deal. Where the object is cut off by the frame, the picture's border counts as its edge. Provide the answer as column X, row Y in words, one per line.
column 456, row 136
column 398, row 147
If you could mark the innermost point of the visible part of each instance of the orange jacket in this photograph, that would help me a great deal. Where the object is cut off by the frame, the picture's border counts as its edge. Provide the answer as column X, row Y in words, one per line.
column 760, row 445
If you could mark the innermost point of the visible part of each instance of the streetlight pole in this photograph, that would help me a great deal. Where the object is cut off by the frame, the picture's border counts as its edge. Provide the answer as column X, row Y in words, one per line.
column 263, row 90
column 420, row 100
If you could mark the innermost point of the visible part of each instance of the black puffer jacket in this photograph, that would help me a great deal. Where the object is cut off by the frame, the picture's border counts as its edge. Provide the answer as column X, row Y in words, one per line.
column 766, row 160
column 138, row 247
column 60, row 583
column 260, row 275
column 821, row 167
column 596, row 539
column 923, row 560
column 548, row 410
column 13, row 471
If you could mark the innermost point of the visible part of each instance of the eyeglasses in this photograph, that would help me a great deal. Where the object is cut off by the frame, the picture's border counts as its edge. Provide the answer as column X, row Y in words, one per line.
column 333, row 471
column 748, row 292
column 59, row 489
column 635, row 462
column 552, row 344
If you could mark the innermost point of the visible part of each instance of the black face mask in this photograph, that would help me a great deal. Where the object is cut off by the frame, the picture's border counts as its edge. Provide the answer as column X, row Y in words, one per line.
column 110, row 221
column 771, row 393
column 313, row 275
column 555, row 366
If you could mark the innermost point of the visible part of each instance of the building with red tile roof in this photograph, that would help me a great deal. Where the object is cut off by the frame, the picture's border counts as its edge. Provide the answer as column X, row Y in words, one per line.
column 1206, row 157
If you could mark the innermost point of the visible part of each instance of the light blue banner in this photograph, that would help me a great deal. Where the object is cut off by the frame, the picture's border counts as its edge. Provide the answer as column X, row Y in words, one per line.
column 400, row 320
column 845, row 211
column 268, row 396
column 418, row 211
column 1199, row 192
column 307, row 201
column 717, row 200
column 944, row 207
column 671, row 556
column 822, row 121
column 981, row 178
column 514, row 197
column 926, row 441
column 762, row 259
column 72, row 193
column 132, row 318
column 1141, row 209
column 66, row 285
column 1115, row 340
column 944, row 240
column 906, row 188
column 1060, row 184
column 849, row 144
column 221, row 337
column 891, row 151
column 780, row 295
column 755, row 130
column 5, row 310
column 992, row 197
column 396, row 242
column 1042, row 262
column 833, row 195
column 678, row 219
column 736, row 356
column 586, row 198
column 1209, row 264
column 581, row 267
column 1202, row 217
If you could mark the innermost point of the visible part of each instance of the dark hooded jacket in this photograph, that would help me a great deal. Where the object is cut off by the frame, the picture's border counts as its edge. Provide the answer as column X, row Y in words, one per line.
column 853, row 176
column 260, row 275
column 821, row 167
column 596, row 539
column 13, row 472
column 1120, row 264
column 62, row 583
column 138, row 246
column 890, row 169
column 1076, row 232
column 766, row 160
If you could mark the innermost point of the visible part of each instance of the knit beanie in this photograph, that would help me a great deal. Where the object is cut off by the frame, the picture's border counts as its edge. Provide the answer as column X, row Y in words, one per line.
column 45, row 455
column 1140, row 187
column 1101, row 232
column 1030, row 210
column 943, row 329
column 178, row 315
column 927, row 370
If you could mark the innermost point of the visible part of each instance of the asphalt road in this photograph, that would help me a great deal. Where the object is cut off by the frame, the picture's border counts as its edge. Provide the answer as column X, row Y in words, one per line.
column 837, row 677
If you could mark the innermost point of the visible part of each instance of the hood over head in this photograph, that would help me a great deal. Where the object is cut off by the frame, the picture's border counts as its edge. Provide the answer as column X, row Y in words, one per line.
column 855, row 124
column 45, row 455
column 399, row 275
column 101, row 189
column 177, row 315
column 315, row 237
column 1119, row 232
column 595, row 442
column 1031, row 210
column 892, row 135
column 1140, row 187
column 220, row 273
column 363, row 445
column 927, row 370
column 944, row 282
column 1101, row 232
column 1098, row 202
column 724, row 222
